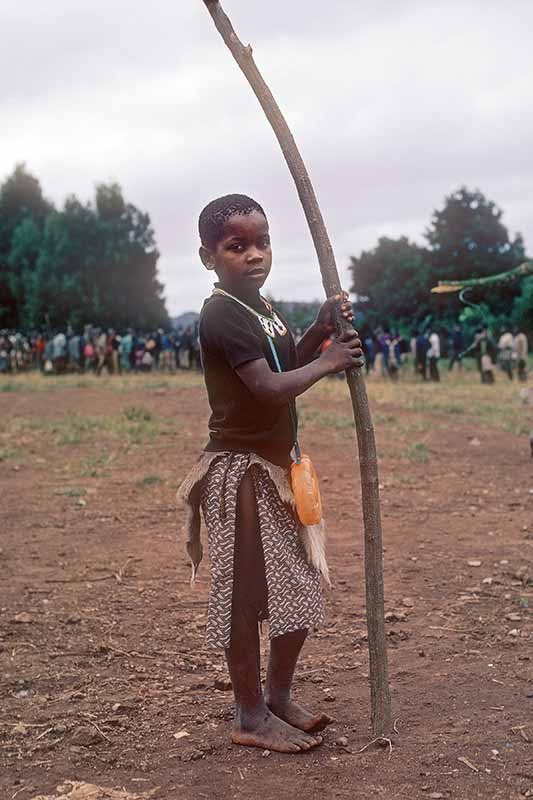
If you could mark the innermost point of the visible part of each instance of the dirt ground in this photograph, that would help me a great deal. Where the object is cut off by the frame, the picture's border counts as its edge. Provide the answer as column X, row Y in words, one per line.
column 105, row 677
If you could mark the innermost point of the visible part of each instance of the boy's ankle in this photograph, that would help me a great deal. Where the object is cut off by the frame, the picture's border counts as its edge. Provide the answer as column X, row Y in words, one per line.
column 246, row 718
column 277, row 697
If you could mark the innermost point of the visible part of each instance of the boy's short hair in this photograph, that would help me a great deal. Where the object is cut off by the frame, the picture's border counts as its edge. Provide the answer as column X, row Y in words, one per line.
column 217, row 212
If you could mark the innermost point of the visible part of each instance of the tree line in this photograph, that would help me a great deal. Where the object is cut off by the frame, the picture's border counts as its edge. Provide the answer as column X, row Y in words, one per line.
column 97, row 262
column 466, row 238
column 85, row 262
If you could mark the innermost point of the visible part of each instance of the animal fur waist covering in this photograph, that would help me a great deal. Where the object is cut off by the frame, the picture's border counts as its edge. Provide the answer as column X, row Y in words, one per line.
column 313, row 537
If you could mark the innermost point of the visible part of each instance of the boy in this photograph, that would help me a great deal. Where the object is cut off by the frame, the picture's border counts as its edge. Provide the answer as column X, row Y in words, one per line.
column 259, row 568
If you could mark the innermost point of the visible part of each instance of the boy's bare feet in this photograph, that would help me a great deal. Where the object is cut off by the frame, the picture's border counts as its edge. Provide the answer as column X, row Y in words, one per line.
column 271, row 733
column 299, row 717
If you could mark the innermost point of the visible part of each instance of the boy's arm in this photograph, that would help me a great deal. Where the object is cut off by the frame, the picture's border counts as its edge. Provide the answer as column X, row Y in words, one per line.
column 323, row 326
column 279, row 388
column 310, row 343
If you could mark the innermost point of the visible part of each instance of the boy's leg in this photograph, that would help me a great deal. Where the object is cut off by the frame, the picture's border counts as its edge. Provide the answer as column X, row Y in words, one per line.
column 284, row 652
column 255, row 724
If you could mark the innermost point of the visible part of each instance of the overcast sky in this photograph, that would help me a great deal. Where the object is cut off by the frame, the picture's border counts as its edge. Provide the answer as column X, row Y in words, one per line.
column 394, row 104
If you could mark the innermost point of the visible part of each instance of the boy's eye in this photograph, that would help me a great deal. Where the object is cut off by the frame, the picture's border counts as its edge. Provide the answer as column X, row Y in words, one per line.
column 236, row 247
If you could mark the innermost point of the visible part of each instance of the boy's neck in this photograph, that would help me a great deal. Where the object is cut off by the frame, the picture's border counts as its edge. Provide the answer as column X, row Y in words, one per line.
column 252, row 297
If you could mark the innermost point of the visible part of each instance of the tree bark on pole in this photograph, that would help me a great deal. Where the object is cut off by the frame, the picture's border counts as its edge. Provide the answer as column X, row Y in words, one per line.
column 379, row 686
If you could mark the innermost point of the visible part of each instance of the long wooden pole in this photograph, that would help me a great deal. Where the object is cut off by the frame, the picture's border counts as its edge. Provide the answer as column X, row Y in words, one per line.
column 379, row 686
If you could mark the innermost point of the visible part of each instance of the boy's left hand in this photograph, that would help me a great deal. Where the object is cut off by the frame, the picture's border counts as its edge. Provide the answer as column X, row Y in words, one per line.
column 325, row 321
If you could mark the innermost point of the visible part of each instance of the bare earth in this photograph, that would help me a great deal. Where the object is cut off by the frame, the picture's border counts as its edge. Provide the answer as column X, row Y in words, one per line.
column 105, row 677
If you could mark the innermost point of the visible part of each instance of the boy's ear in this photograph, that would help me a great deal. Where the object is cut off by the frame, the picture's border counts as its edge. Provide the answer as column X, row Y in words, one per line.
column 207, row 257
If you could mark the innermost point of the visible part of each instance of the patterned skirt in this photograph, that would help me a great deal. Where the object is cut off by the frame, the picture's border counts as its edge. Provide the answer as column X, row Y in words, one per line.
column 293, row 586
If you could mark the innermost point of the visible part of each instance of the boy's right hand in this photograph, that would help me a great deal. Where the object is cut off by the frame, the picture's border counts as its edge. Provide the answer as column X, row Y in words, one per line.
column 344, row 352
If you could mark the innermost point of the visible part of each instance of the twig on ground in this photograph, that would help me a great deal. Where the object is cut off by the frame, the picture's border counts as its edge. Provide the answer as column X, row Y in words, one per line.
column 468, row 763
column 521, row 730
column 375, row 741
column 394, row 728
column 121, row 573
column 132, row 654
column 44, row 733
column 309, row 672
column 26, row 724
column 22, row 789
column 100, row 731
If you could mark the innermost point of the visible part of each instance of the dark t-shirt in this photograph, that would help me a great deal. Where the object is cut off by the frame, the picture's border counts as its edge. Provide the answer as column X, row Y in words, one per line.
column 230, row 336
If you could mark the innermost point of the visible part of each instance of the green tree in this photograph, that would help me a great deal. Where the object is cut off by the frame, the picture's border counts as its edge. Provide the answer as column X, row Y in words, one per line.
column 523, row 307
column 392, row 282
column 21, row 200
column 125, row 270
column 22, row 261
column 84, row 263
column 468, row 239
column 58, row 294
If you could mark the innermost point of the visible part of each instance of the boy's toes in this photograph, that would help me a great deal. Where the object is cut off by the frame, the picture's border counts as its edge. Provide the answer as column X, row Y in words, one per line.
column 293, row 747
column 306, row 742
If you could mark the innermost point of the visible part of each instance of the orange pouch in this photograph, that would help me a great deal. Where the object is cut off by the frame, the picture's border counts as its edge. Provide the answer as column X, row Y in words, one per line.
column 306, row 491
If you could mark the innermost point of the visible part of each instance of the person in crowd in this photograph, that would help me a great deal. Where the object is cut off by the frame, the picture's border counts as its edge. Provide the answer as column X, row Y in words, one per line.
column 75, row 353
column 125, row 349
column 151, row 347
column 139, row 349
column 40, row 345
column 506, row 352
column 412, row 348
column 90, row 355
column 147, row 361
column 484, row 351
column 113, row 346
column 101, row 352
column 370, row 353
column 422, row 347
column 156, row 350
column 178, row 340
column 59, row 352
column 188, row 344
column 433, row 356
column 395, row 356
column 166, row 359
column 521, row 351
column 5, row 348
column 383, row 341
column 457, row 341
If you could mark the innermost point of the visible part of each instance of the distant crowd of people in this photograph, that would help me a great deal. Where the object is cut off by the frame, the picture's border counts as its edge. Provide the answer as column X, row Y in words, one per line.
column 96, row 350
column 387, row 353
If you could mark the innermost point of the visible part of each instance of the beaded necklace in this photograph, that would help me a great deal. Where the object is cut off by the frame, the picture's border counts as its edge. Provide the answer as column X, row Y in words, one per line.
column 271, row 325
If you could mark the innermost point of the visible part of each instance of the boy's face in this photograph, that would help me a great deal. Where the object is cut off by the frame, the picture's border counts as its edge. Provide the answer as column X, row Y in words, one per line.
column 242, row 258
